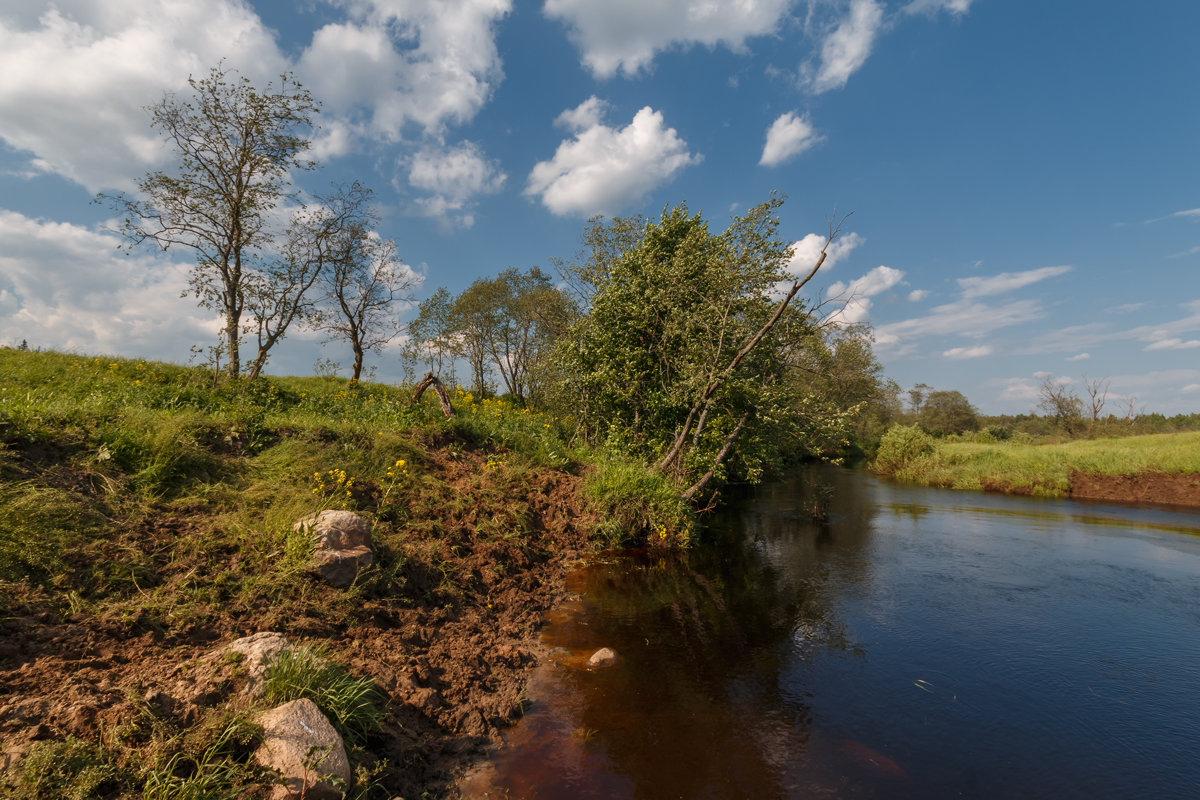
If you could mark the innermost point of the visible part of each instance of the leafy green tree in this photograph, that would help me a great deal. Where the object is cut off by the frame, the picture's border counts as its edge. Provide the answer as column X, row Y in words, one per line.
column 512, row 320
column 432, row 337
column 680, row 356
column 948, row 412
column 235, row 146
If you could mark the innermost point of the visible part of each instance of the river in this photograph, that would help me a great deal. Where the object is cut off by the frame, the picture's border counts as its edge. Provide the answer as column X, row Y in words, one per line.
column 919, row 643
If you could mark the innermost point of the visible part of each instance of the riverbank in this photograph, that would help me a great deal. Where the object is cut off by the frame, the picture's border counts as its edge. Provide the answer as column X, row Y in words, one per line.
column 146, row 517
column 1159, row 469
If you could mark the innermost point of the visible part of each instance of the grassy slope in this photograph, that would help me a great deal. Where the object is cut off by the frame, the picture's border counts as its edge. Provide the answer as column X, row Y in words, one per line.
column 1045, row 469
column 136, row 496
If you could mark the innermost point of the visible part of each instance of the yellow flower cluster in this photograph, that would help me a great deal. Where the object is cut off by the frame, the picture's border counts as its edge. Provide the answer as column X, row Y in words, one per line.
column 334, row 484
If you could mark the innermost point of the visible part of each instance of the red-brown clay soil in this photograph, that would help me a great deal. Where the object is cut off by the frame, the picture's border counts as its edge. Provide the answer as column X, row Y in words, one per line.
column 453, row 665
column 1159, row 488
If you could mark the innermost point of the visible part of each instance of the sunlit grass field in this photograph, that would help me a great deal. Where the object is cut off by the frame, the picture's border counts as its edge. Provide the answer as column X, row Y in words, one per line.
column 1045, row 469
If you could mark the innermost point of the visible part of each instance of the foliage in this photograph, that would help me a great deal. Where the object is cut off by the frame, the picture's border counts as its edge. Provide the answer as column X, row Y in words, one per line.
column 70, row 769
column 1044, row 468
column 354, row 705
column 686, row 357
column 1060, row 402
column 947, row 412
column 900, row 447
column 638, row 505
column 363, row 276
column 235, row 145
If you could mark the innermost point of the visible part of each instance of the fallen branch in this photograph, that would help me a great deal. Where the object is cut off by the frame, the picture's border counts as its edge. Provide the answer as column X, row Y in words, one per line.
column 443, row 397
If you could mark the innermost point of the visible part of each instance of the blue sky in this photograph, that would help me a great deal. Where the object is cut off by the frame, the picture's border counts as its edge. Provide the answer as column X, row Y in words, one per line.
column 1024, row 176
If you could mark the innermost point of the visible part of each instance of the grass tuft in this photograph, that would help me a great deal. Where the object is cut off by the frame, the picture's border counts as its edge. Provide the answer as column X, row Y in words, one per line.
column 354, row 705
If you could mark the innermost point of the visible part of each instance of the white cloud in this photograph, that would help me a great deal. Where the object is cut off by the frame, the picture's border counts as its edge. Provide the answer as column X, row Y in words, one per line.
column 931, row 7
column 855, row 296
column 74, row 80
column 917, row 295
column 806, row 252
column 602, row 169
column 788, row 136
column 453, row 177
column 1191, row 387
column 399, row 62
column 961, row 353
column 1173, row 344
column 1079, row 357
column 625, row 35
column 845, row 49
column 1125, row 308
column 1192, row 213
column 66, row 287
column 1191, row 251
column 1007, row 281
column 959, row 319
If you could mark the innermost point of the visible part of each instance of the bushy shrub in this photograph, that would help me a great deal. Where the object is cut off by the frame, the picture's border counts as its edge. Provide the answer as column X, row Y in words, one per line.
column 638, row 505
column 901, row 446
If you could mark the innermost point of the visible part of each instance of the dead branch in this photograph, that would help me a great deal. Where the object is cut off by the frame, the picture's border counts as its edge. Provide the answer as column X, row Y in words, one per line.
column 443, row 397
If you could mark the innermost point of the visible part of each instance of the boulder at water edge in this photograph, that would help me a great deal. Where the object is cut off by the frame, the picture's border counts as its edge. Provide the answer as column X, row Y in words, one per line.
column 604, row 657
column 299, row 742
column 342, row 541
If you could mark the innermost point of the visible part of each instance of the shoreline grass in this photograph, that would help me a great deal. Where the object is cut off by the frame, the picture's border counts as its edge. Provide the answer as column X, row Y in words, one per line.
column 1039, row 469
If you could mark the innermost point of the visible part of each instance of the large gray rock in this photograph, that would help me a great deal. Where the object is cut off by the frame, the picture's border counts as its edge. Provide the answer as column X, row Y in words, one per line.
column 303, row 746
column 342, row 545
column 258, row 651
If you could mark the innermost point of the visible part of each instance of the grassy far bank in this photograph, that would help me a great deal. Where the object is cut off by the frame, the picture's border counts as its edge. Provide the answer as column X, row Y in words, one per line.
column 145, row 518
column 1041, row 469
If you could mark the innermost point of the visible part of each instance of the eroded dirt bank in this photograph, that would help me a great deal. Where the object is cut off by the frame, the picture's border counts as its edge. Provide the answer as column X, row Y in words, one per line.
column 452, row 652
column 1147, row 487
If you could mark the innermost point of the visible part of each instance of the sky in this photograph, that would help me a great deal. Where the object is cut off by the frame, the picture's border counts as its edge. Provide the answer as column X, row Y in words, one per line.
column 1023, row 176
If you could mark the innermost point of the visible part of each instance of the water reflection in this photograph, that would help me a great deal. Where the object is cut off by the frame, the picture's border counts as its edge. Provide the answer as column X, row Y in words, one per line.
column 911, row 643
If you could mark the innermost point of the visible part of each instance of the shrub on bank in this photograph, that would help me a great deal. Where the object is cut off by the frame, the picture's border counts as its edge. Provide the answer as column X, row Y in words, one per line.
column 900, row 447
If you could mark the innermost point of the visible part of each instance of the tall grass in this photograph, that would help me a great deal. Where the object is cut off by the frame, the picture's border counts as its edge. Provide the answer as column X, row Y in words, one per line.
column 1045, row 469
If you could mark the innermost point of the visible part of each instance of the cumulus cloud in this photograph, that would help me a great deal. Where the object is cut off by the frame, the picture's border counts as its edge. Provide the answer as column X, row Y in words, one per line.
column 1079, row 357
column 856, row 295
column 959, row 319
column 452, row 178
column 65, row 286
column 75, row 78
column 961, row 353
column 917, row 295
column 806, row 252
column 396, row 63
column 1007, row 281
column 625, row 35
column 846, row 48
column 789, row 136
column 603, row 169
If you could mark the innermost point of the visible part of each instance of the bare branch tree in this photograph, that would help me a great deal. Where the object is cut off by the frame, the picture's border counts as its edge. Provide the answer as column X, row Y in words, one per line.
column 1061, row 403
column 1097, row 392
column 364, row 277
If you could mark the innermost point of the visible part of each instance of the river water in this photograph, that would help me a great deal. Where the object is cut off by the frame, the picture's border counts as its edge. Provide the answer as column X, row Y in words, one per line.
column 920, row 643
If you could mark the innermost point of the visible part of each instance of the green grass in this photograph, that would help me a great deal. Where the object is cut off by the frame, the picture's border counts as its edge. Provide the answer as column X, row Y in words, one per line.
column 1045, row 469
column 353, row 705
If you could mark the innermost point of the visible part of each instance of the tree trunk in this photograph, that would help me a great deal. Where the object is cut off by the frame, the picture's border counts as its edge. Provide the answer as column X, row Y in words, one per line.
column 699, row 485
column 443, row 397
column 358, row 361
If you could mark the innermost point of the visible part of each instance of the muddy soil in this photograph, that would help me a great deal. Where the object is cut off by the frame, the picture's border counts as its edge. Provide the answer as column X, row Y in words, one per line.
column 453, row 663
column 1159, row 488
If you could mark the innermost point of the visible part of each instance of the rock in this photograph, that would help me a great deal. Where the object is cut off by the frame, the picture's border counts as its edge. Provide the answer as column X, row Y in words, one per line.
column 302, row 745
column 604, row 657
column 259, row 651
column 342, row 541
